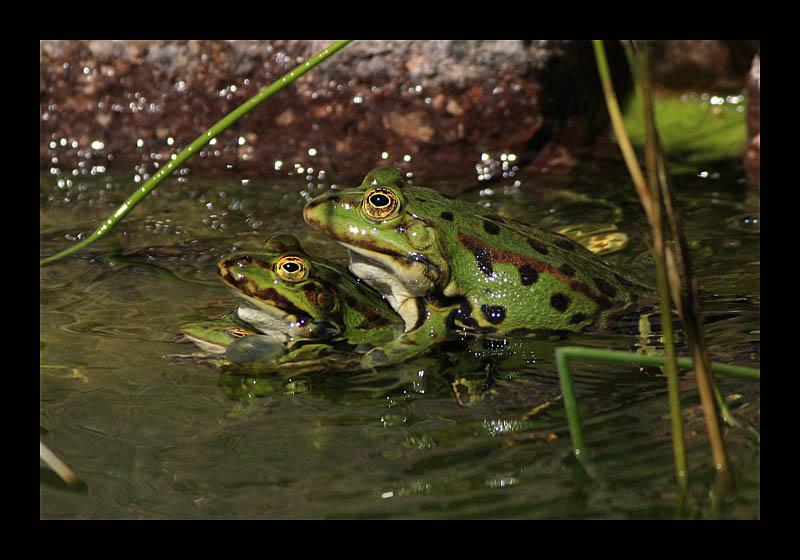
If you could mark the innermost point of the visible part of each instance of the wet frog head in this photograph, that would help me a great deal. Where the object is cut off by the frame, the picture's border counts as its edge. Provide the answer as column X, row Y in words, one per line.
column 293, row 296
column 390, row 248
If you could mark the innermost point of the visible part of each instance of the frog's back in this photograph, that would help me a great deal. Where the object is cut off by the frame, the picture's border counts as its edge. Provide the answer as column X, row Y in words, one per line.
column 515, row 275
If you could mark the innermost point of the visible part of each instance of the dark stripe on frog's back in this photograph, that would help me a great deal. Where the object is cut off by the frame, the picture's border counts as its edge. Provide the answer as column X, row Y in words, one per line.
column 543, row 241
column 547, row 245
column 604, row 293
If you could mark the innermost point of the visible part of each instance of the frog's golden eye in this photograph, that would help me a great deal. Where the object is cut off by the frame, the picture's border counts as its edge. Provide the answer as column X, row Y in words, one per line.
column 380, row 203
column 291, row 269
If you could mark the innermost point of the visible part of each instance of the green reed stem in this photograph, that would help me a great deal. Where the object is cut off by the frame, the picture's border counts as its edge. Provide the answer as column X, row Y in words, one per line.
column 198, row 143
column 652, row 159
column 571, row 404
column 622, row 357
column 615, row 114
column 683, row 279
column 650, row 200
column 674, row 275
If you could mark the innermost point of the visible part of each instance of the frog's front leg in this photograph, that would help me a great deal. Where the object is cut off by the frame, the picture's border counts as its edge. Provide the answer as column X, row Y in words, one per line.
column 415, row 342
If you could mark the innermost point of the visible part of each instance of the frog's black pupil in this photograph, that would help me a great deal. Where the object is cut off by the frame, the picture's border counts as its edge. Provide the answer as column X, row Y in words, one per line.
column 291, row 267
column 379, row 200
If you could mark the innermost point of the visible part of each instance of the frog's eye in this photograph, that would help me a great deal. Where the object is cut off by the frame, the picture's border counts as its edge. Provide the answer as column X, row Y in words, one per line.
column 380, row 203
column 291, row 269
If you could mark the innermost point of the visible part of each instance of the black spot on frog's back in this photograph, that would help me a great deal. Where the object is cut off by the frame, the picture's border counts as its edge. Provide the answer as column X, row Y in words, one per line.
column 495, row 314
column 578, row 318
column 483, row 258
column 606, row 287
column 559, row 302
column 538, row 246
column 447, row 216
column 528, row 274
column 490, row 227
column 567, row 270
column 564, row 243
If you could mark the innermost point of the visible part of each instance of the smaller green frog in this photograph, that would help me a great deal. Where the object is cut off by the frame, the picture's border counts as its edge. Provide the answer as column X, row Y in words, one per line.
column 295, row 308
column 292, row 296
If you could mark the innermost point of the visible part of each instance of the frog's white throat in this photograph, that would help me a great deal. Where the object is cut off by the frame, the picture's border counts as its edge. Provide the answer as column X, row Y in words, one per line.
column 392, row 281
column 265, row 322
column 283, row 327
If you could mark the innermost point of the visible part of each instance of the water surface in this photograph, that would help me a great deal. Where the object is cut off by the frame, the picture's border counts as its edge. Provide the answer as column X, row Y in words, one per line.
column 150, row 438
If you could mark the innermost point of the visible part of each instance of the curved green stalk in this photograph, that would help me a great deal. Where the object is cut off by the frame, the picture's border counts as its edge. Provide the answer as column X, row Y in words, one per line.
column 571, row 403
column 198, row 143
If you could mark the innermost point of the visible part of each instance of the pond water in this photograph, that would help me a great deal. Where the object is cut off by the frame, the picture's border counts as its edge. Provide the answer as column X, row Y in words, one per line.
column 152, row 438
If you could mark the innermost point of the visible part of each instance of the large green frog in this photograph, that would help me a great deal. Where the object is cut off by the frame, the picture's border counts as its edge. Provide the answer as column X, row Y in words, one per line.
column 448, row 266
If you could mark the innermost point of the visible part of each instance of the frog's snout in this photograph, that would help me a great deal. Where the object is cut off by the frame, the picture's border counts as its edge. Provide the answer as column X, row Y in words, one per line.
column 315, row 209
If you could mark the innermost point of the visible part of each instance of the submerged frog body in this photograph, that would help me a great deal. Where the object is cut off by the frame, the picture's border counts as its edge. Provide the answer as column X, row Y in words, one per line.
column 215, row 336
column 237, row 341
column 292, row 296
column 447, row 265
